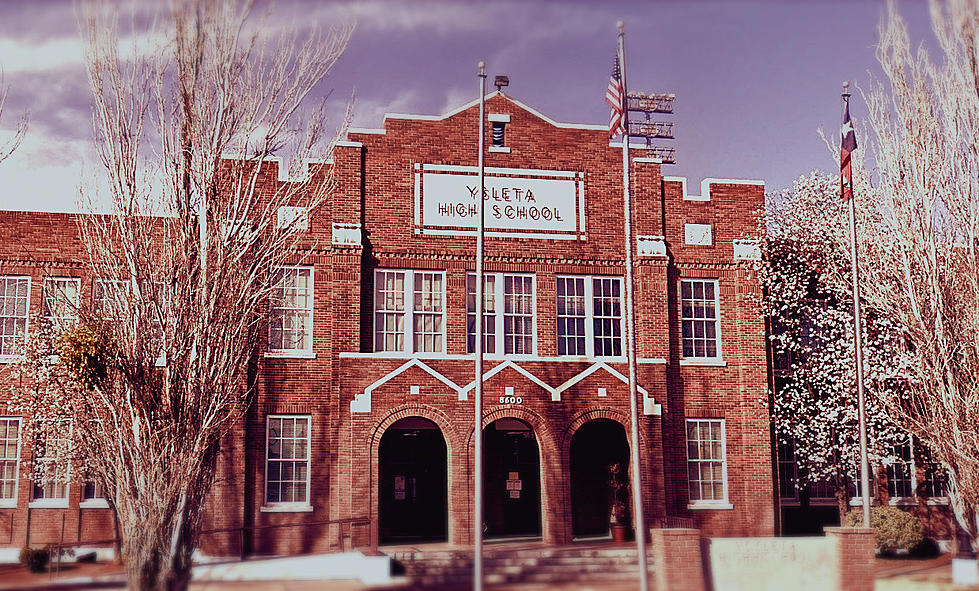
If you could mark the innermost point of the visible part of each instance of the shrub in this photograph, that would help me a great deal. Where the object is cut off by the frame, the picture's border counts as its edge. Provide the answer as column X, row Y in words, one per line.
column 926, row 548
column 35, row 559
column 893, row 528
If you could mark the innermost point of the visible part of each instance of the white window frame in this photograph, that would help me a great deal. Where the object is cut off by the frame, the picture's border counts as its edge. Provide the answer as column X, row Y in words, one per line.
column 53, row 502
column 722, row 503
column 287, row 507
column 121, row 284
column 97, row 502
column 499, row 314
column 408, row 311
column 912, row 499
column 718, row 358
column 67, row 320
column 305, row 352
column 9, row 357
column 11, row 502
column 589, row 295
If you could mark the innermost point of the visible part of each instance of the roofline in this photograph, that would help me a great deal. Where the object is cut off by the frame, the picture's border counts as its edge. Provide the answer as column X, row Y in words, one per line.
column 475, row 102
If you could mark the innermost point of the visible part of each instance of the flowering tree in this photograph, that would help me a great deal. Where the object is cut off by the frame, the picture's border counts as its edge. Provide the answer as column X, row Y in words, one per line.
column 925, row 275
column 807, row 294
column 156, row 371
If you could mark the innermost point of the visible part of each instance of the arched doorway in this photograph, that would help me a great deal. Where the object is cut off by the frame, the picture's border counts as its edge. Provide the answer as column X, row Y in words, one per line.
column 594, row 447
column 412, row 476
column 511, row 479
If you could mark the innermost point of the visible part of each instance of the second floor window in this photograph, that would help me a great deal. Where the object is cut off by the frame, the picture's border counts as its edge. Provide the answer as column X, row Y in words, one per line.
column 589, row 316
column 14, row 304
column 516, row 316
column 291, row 324
column 61, row 301
column 409, row 311
column 700, row 319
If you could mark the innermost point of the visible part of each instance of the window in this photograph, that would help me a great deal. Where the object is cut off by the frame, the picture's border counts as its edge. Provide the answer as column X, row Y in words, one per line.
column 60, row 302
column 9, row 461
column 706, row 470
column 516, row 316
column 936, row 480
column 109, row 298
column 788, row 472
column 900, row 473
column 699, row 318
column 499, row 133
column 287, row 461
column 51, row 443
column 409, row 311
column 291, row 323
column 14, row 303
column 589, row 316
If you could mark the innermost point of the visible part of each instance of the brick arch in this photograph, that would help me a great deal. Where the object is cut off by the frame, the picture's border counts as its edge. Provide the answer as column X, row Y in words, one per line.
column 604, row 412
column 449, row 435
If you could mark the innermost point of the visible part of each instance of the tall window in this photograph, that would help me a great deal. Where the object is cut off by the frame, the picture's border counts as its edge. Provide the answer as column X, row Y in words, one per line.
column 699, row 317
column 287, row 460
column 936, row 480
column 109, row 297
column 14, row 304
column 409, row 311
column 589, row 316
column 788, row 472
column 291, row 324
column 517, row 314
column 51, row 443
column 9, row 460
column 900, row 473
column 61, row 301
column 706, row 472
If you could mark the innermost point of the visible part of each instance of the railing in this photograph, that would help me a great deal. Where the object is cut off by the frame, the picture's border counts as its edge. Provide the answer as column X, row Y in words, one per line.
column 349, row 522
column 671, row 522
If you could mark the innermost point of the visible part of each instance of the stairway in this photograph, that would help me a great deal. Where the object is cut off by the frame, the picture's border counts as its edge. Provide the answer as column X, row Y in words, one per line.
column 511, row 563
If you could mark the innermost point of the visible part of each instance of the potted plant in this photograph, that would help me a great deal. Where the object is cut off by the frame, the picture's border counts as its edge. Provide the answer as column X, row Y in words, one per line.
column 619, row 512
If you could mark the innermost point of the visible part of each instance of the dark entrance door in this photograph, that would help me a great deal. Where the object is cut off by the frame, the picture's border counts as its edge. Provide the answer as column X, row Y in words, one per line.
column 511, row 480
column 594, row 447
column 412, row 482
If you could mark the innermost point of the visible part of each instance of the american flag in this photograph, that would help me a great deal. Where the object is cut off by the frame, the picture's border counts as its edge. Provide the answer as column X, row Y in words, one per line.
column 848, row 144
column 613, row 96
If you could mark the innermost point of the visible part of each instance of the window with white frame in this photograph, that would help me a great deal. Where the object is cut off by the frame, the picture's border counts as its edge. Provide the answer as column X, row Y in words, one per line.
column 900, row 472
column 61, row 301
column 409, row 311
column 935, row 480
column 291, row 322
column 699, row 318
column 9, row 460
column 110, row 297
column 788, row 471
column 92, row 491
column 706, row 470
column 14, row 305
column 516, row 316
column 589, row 316
column 51, row 467
column 287, row 460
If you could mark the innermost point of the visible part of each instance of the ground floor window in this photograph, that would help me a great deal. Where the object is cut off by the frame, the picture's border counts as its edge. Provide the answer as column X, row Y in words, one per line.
column 706, row 469
column 287, row 460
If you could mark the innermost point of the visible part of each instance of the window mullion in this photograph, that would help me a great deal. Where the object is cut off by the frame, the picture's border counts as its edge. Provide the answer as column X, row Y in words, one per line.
column 589, row 296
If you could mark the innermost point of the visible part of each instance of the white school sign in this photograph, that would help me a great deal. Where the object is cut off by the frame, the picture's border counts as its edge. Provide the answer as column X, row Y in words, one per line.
column 542, row 203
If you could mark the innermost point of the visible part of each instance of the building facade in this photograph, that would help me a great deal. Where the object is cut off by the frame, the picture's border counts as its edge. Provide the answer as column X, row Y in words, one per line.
column 364, row 398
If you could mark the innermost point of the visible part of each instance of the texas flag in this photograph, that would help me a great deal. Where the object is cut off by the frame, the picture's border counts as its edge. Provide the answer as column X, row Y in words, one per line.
column 848, row 144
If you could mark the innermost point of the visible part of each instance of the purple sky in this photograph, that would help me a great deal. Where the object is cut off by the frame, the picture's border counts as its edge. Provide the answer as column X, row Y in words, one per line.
column 753, row 80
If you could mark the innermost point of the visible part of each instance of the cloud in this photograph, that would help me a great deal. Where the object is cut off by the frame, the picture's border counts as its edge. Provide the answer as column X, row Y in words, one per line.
column 370, row 112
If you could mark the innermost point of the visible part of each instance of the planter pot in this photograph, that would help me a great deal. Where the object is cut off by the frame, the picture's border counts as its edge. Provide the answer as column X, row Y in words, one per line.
column 620, row 533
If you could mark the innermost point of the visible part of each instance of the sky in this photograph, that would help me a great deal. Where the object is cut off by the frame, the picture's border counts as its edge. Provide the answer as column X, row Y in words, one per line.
column 754, row 80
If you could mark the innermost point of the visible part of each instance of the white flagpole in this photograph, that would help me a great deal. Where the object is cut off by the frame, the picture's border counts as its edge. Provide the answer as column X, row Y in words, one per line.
column 630, row 324
column 858, row 338
column 478, row 392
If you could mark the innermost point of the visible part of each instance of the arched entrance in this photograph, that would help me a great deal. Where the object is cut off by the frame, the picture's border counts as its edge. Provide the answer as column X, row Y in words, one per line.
column 594, row 447
column 511, row 479
column 412, row 489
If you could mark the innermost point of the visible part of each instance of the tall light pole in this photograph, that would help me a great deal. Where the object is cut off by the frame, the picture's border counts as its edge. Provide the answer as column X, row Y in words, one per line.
column 630, row 328
column 478, row 349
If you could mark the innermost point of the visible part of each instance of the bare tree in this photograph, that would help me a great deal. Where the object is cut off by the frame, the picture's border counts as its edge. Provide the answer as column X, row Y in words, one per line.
column 924, row 265
column 8, row 146
column 156, row 372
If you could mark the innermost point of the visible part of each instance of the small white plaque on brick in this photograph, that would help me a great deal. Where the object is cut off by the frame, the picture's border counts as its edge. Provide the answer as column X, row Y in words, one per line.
column 747, row 250
column 346, row 234
column 296, row 218
column 651, row 246
column 697, row 234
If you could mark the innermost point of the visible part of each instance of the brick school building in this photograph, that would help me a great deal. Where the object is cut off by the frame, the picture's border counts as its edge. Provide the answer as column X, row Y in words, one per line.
column 364, row 398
